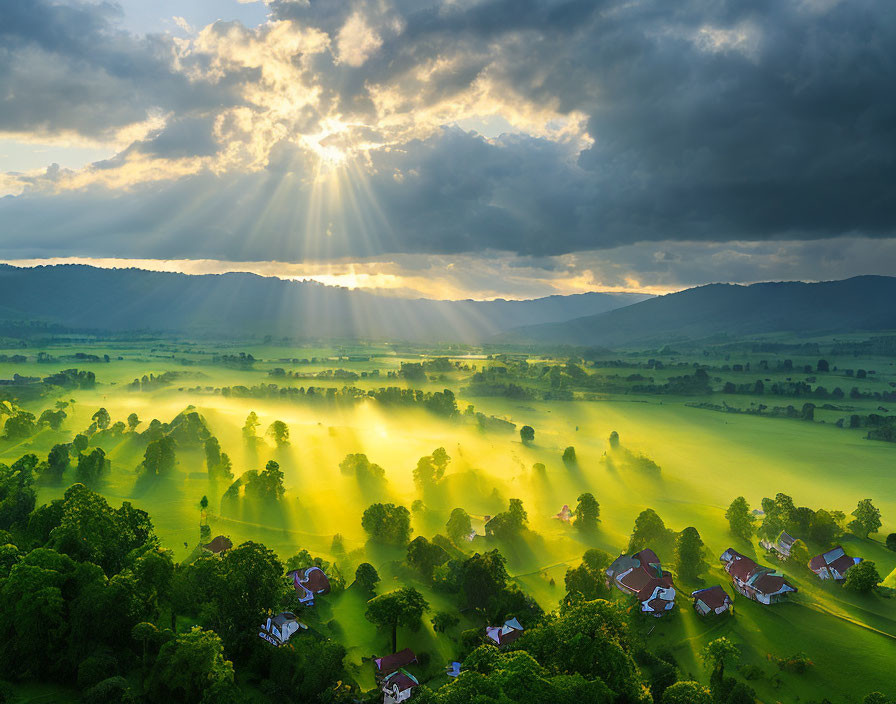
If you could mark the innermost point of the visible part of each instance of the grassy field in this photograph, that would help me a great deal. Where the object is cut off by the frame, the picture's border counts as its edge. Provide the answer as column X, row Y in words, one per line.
column 707, row 459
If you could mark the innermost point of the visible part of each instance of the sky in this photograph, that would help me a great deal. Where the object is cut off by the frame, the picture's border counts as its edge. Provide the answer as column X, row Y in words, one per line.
column 453, row 148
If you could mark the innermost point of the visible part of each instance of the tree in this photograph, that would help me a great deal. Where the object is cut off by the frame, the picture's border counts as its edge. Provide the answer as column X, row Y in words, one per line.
column 799, row 554
column 401, row 607
column 20, row 425
column 649, row 527
column 79, row 444
column 459, row 526
column 876, row 698
column 57, row 462
column 588, row 579
column 444, row 620
column 52, row 419
column 279, row 432
column 823, row 366
column 191, row 668
column 217, row 463
column 740, row 520
column 101, row 418
column 862, row 578
column 133, row 422
column 689, row 554
column 593, row 639
column 250, row 428
column 92, row 466
column 366, row 577
column 687, row 693
column 825, row 527
column 159, row 457
column 614, row 440
column 481, row 577
column 717, row 652
column 867, row 519
column 891, row 541
column 527, row 434
column 425, row 556
column 266, row 485
column 362, row 468
column 387, row 522
column 569, row 456
column 587, row 513
column 509, row 523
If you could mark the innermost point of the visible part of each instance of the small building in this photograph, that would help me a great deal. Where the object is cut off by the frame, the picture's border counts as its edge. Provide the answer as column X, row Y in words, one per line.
column 642, row 575
column 833, row 564
column 502, row 635
column 781, row 546
column 390, row 663
column 712, row 600
column 398, row 686
column 565, row 514
column 279, row 629
column 453, row 669
column 754, row 581
column 218, row 545
column 310, row 583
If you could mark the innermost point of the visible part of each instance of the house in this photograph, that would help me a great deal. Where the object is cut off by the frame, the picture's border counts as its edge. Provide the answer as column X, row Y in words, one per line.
column 755, row 582
column 643, row 576
column 781, row 546
column 712, row 600
column 278, row 630
column 390, row 663
column 502, row 635
column 218, row 545
column 309, row 583
column 833, row 564
column 398, row 686
column 565, row 514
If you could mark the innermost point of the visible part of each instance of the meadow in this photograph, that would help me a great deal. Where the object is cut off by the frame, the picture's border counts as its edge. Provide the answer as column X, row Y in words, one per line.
column 706, row 458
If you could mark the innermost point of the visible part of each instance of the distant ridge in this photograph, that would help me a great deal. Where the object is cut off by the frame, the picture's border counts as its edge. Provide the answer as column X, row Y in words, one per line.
column 238, row 304
column 862, row 303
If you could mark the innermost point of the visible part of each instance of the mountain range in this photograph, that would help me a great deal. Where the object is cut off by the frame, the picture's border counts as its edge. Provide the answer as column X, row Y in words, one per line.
column 238, row 304
column 862, row 303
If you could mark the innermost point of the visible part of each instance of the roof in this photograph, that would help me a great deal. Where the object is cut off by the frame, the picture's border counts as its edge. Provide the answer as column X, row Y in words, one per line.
column 283, row 618
column 391, row 663
column 714, row 597
column 786, row 540
column 310, row 581
column 758, row 578
column 400, row 678
column 509, row 632
column 835, row 558
column 642, row 574
column 218, row 544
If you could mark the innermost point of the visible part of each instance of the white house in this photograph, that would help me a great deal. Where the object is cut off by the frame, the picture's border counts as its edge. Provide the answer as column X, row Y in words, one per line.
column 278, row 630
column 398, row 686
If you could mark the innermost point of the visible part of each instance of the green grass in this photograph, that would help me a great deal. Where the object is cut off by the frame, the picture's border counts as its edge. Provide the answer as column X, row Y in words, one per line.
column 707, row 459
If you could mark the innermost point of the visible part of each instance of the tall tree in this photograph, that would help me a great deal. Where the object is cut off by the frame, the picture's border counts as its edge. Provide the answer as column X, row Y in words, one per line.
column 649, row 527
column 458, row 526
column 279, row 432
column 387, row 522
column 159, row 457
column 867, row 519
column 587, row 513
column 101, row 418
column 92, row 466
column 689, row 550
column 740, row 520
column 527, row 434
column 402, row 607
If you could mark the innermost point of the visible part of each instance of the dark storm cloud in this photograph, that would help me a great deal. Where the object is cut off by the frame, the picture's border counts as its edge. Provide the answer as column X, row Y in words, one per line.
column 66, row 66
column 712, row 121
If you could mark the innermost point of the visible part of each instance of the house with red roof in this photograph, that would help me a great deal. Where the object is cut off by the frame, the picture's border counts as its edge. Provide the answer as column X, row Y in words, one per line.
column 502, row 635
column 310, row 583
column 398, row 686
column 218, row 545
column 762, row 584
column 781, row 546
column 390, row 663
column 643, row 576
column 712, row 600
column 833, row 564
